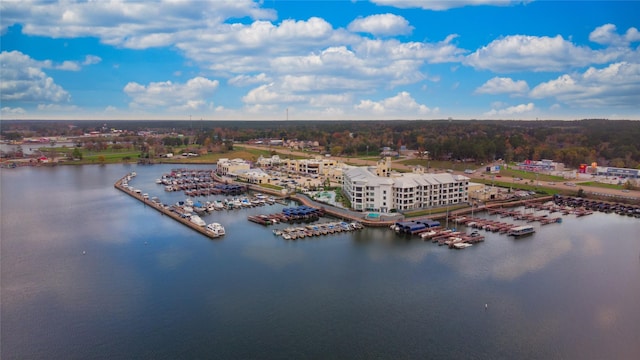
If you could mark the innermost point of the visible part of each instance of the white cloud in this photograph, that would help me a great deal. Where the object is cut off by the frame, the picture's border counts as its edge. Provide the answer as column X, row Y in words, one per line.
column 537, row 53
column 244, row 80
column 382, row 24
column 502, row 85
column 331, row 101
column 6, row 110
column 268, row 94
column 68, row 66
column 23, row 80
column 49, row 108
column 192, row 95
column 132, row 24
column 617, row 85
column 91, row 60
column 402, row 103
column 204, row 34
column 443, row 4
column 512, row 110
column 606, row 35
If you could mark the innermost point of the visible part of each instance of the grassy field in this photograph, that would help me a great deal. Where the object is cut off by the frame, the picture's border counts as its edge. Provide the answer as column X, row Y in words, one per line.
column 111, row 156
column 434, row 164
column 601, row 185
column 529, row 175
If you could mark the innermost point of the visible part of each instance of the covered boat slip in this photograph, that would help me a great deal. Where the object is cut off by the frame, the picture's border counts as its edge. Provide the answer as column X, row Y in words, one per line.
column 414, row 227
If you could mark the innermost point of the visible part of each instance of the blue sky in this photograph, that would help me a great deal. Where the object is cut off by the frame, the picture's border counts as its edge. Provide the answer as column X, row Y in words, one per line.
column 316, row 60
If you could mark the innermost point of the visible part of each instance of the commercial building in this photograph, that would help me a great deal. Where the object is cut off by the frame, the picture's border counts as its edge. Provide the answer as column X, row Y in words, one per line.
column 378, row 189
column 540, row 166
column 317, row 166
column 232, row 167
column 622, row 173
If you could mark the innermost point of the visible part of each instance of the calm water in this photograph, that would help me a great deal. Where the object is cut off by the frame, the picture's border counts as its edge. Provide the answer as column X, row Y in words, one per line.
column 150, row 288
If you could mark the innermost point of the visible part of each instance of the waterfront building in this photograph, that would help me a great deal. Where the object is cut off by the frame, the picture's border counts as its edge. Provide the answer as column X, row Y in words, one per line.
column 379, row 189
column 232, row 167
column 253, row 176
column 270, row 161
column 317, row 166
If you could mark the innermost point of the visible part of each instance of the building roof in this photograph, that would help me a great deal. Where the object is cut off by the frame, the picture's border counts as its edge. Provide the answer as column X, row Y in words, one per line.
column 409, row 180
column 363, row 174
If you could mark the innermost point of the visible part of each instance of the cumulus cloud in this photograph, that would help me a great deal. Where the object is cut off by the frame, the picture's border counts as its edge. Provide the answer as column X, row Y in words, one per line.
column 615, row 85
column 502, row 85
column 132, row 24
column 537, row 53
column 205, row 34
column 607, row 35
column 443, row 4
column 23, row 80
column 512, row 110
column 382, row 24
column 244, row 80
column 6, row 110
column 192, row 95
column 49, row 108
column 402, row 103
column 268, row 94
column 91, row 60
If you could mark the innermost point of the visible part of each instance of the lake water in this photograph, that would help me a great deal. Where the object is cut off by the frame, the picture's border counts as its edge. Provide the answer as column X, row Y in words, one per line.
column 87, row 272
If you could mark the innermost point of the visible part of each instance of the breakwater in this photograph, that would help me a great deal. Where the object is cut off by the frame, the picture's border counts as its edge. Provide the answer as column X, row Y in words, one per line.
column 122, row 185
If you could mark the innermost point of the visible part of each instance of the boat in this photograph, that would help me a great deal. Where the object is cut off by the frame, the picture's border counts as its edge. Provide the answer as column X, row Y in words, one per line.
column 216, row 229
column 197, row 220
column 461, row 245
column 521, row 230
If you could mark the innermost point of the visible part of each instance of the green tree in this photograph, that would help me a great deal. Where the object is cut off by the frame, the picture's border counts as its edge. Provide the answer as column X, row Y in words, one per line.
column 77, row 154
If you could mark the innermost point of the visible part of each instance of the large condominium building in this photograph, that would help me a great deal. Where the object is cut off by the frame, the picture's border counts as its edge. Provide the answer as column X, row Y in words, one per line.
column 377, row 189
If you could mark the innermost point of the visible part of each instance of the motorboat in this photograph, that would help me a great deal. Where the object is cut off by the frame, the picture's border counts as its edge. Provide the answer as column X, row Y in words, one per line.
column 216, row 228
column 197, row 220
column 521, row 230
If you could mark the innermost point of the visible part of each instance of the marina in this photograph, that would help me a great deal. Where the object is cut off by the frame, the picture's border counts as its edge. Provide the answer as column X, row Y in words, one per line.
column 193, row 221
column 205, row 183
column 328, row 228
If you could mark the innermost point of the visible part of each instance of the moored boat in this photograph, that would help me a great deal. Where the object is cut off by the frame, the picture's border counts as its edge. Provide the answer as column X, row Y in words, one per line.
column 216, row 228
column 197, row 220
column 521, row 230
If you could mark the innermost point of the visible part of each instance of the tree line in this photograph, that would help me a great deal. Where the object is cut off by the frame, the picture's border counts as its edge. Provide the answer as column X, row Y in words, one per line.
column 606, row 142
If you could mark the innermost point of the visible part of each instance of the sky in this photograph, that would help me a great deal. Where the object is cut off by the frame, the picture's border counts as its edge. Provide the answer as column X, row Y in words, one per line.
column 319, row 60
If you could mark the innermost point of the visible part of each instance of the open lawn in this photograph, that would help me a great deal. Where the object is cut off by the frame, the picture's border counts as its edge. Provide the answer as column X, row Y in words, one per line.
column 600, row 185
column 437, row 164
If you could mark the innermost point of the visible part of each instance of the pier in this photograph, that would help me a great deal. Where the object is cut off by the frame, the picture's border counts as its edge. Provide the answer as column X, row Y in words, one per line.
column 136, row 194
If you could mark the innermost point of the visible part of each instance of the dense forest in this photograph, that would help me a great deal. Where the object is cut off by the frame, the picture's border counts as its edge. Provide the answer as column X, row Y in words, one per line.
column 607, row 142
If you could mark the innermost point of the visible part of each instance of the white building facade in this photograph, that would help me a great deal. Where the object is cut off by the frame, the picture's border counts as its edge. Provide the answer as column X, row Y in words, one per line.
column 231, row 167
column 369, row 191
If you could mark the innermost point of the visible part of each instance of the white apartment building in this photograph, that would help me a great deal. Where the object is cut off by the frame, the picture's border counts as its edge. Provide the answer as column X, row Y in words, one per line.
column 377, row 189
